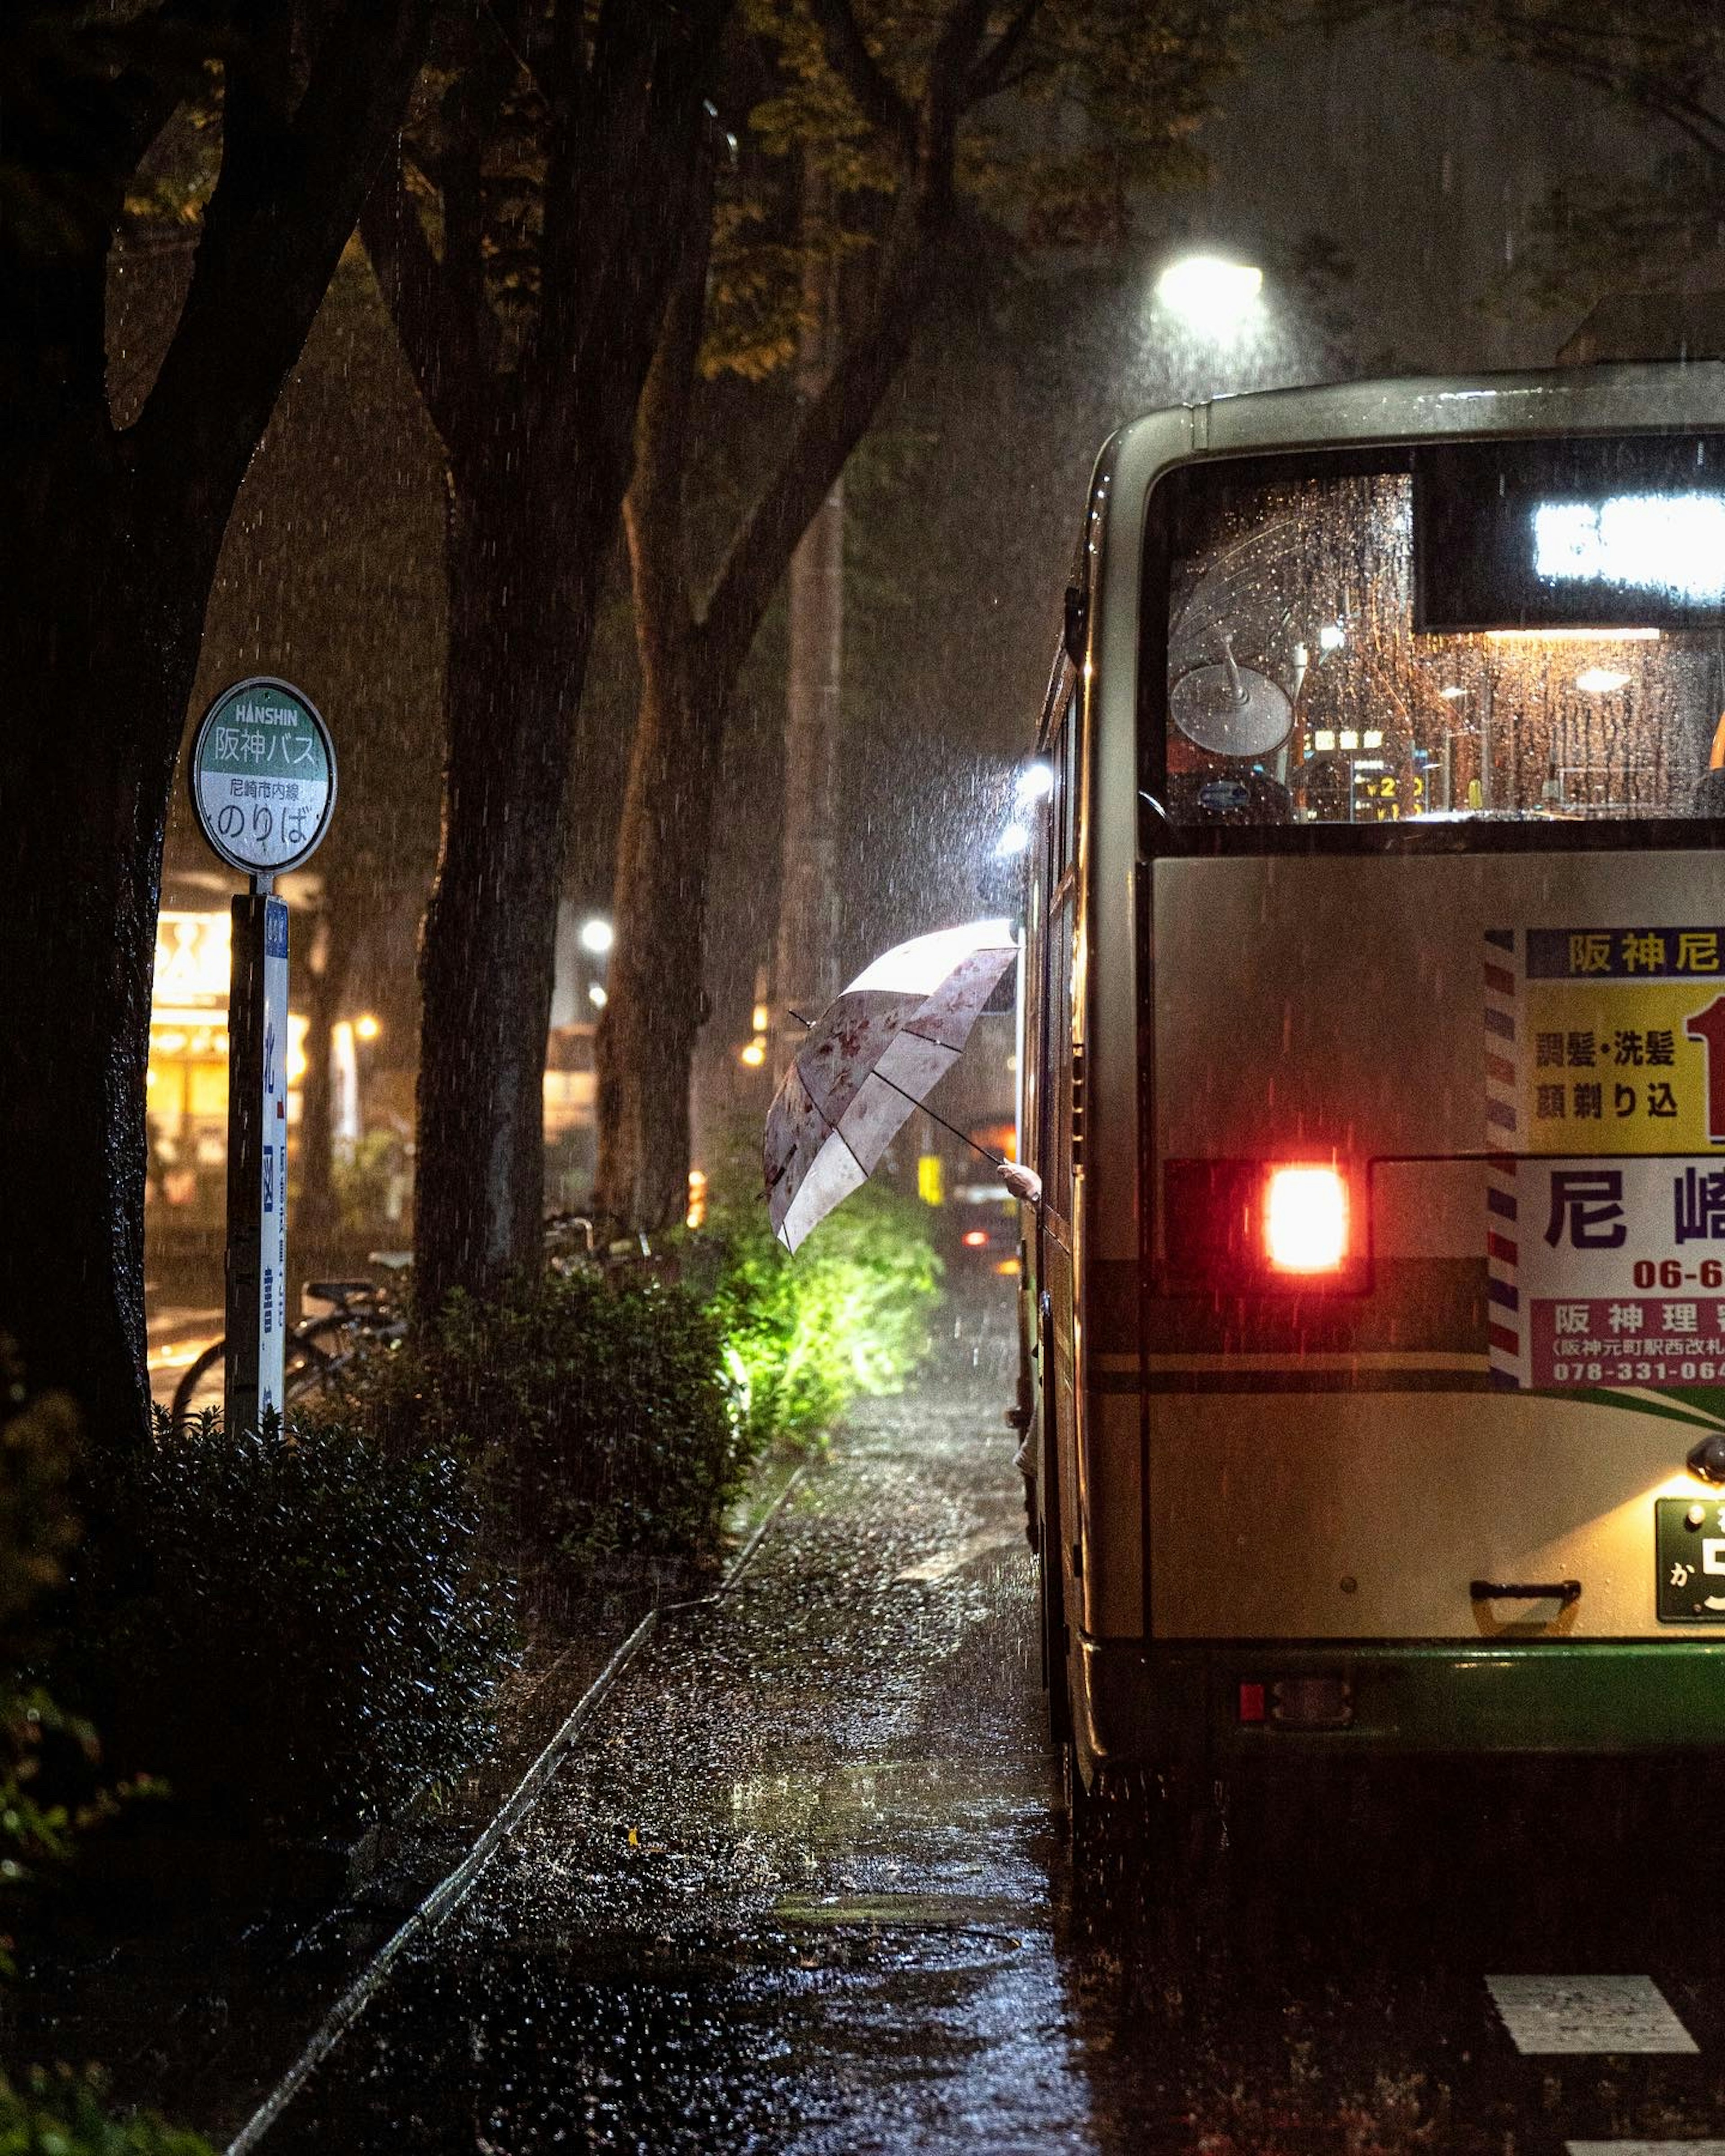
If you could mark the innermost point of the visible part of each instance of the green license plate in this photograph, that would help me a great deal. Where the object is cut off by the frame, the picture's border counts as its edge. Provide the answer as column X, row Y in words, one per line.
column 1689, row 1540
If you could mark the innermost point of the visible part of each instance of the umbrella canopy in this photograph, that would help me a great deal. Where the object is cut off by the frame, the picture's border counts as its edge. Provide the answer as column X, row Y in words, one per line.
column 875, row 1055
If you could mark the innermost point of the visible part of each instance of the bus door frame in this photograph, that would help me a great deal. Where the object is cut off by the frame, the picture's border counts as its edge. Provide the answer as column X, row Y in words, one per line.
column 1049, row 1125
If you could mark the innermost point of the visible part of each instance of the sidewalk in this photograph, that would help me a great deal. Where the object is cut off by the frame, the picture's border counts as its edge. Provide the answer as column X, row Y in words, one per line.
column 198, row 2007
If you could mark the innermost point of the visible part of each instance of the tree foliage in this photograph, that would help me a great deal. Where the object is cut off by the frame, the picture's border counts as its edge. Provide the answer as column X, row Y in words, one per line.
column 1662, row 62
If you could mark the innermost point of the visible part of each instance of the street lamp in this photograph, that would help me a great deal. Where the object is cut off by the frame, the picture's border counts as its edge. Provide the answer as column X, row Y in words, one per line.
column 1210, row 294
column 596, row 935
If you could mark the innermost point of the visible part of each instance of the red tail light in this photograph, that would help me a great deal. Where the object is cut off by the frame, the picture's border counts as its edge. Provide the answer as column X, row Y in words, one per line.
column 1258, row 1227
column 1305, row 1219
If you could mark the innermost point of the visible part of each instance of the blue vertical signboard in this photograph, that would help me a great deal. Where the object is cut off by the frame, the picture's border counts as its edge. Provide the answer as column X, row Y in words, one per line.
column 272, row 1196
column 263, row 785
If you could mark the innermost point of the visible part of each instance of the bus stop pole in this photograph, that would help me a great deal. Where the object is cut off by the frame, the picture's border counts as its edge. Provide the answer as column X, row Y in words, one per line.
column 257, row 1158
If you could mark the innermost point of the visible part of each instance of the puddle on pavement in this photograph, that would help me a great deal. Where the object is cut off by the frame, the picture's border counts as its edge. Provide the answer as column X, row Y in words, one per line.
column 922, row 1912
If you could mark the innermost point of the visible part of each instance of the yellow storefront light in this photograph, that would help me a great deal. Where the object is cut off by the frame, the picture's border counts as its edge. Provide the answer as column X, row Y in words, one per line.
column 367, row 1026
column 754, row 1055
column 930, row 1179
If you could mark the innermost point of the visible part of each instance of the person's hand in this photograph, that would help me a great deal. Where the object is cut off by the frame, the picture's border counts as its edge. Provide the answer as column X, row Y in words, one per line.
column 1023, row 1182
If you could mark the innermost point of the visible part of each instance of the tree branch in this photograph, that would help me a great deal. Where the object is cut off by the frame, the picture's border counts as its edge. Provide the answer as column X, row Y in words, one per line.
column 989, row 74
column 653, row 510
column 641, row 114
column 849, row 55
column 831, row 424
column 433, row 333
column 835, row 419
column 1654, row 70
column 252, row 300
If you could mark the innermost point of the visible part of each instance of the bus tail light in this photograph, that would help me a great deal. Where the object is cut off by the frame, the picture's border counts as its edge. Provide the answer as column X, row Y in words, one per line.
column 1305, row 1219
column 1257, row 1227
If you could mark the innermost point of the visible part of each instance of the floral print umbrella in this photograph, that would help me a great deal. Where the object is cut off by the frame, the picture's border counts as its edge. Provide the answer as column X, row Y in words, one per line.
column 872, row 1058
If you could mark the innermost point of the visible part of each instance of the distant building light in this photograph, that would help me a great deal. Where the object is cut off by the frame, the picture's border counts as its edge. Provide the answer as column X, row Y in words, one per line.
column 1012, row 841
column 1349, row 738
column 596, row 995
column 1373, row 737
column 1601, row 681
column 754, row 1055
column 1209, row 293
column 367, row 1026
column 1332, row 636
column 761, row 1019
column 596, row 935
column 1452, row 695
column 1324, row 738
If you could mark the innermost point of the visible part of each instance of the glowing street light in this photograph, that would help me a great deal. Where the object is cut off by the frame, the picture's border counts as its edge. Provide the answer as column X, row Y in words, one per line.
column 1209, row 294
column 597, row 936
column 1035, row 780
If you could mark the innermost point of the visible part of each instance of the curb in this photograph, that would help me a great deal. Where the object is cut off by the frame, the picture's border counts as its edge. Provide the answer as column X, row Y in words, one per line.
column 452, row 1889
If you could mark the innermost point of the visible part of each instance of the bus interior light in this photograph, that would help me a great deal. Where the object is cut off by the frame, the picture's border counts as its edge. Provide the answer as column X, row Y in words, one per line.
column 1305, row 1219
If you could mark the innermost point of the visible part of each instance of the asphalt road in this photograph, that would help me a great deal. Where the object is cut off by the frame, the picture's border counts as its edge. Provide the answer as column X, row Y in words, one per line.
column 804, row 1888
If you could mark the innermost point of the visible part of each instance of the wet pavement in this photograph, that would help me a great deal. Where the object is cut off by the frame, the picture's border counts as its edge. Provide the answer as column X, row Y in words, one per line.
column 178, row 1334
column 804, row 1888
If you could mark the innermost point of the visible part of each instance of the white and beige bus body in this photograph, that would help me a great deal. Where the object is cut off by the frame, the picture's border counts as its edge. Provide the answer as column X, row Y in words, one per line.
column 1375, row 1071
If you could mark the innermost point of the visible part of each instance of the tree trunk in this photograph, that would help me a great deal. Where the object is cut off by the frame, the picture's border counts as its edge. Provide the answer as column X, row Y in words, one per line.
column 805, row 956
column 99, row 674
column 521, row 622
column 317, row 1226
column 657, row 1003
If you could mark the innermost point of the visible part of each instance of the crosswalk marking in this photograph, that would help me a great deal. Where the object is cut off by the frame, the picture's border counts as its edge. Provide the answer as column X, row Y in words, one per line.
column 1545, row 2013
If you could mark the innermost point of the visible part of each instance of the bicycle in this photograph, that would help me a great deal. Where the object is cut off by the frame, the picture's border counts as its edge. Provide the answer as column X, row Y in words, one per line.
column 364, row 1315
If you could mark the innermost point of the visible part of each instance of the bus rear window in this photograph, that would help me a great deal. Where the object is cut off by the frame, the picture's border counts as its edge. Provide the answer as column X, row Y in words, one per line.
column 1525, row 630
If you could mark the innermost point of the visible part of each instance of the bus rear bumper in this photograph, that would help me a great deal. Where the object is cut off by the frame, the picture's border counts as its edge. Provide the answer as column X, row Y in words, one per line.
column 1207, row 1705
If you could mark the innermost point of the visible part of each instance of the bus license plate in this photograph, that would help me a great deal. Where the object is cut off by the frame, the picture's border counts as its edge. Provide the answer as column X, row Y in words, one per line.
column 1689, row 1540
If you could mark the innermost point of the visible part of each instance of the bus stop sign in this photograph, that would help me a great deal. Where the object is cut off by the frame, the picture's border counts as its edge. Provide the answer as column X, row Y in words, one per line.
column 263, row 777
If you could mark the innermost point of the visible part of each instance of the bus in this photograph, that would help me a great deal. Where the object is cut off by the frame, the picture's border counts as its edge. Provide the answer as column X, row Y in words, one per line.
column 1374, row 1068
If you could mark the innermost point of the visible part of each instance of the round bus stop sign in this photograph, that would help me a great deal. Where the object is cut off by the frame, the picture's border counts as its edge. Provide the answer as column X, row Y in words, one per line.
column 263, row 777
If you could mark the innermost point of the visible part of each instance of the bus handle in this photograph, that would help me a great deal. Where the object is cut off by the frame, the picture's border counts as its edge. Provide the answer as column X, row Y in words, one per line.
column 1564, row 1591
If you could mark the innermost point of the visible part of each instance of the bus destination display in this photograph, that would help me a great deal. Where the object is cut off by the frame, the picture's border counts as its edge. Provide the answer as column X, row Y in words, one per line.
column 1603, row 534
